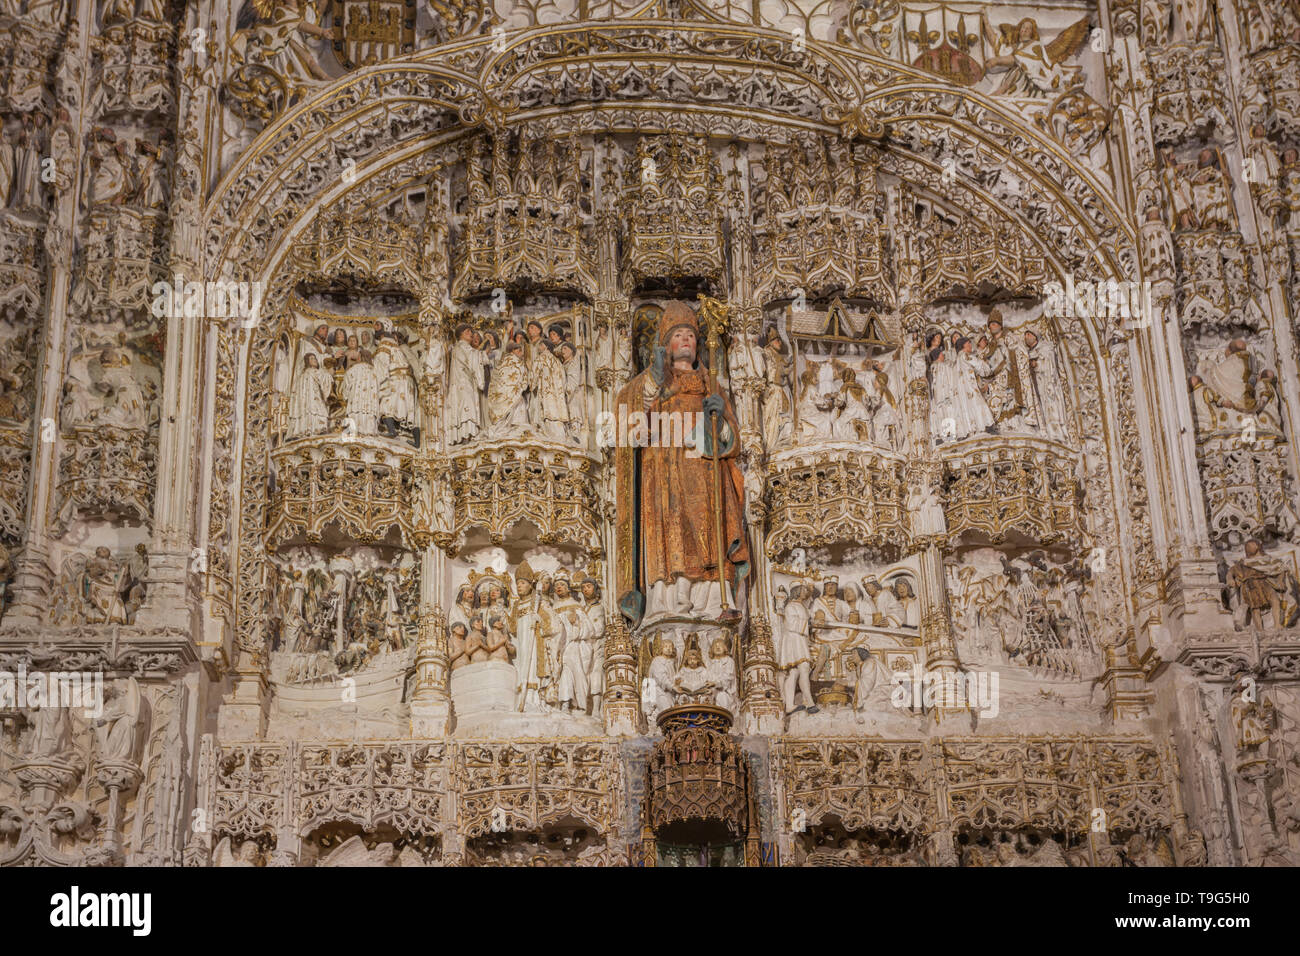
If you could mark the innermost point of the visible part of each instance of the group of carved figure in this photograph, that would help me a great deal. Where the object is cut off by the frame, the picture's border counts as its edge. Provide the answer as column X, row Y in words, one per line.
column 336, row 617
column 506, row 383
column 103, row 588
column 553, row 631
column 813, row 626
column 1200, row 195
column 994, row 384
column 1230, row 394
column 696, row 681
column 1024, row 611
column 126, row 173
column 358, row 381
column 850, row 402
column 22, row 161
column 117, row 395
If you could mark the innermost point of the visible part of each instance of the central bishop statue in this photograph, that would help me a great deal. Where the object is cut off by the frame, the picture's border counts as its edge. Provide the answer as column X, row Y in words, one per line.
column 668, row 493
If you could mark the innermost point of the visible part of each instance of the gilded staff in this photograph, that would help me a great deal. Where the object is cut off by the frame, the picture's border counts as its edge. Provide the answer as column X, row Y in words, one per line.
column 715, row 320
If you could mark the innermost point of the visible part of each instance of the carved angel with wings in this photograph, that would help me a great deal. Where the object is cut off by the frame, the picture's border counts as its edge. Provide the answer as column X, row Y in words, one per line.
column 278, row 34
column 1032, row 67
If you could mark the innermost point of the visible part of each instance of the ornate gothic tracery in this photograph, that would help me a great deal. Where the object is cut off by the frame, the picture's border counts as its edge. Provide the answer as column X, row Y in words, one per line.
column 1002, row 475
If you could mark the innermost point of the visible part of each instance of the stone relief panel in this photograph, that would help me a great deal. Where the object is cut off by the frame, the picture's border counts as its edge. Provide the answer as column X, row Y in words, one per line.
column 108, row 422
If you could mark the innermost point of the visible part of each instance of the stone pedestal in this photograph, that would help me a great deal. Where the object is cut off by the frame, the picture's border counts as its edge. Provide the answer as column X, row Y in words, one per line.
column 244, row 711
column 430, row 718
column 484, row 688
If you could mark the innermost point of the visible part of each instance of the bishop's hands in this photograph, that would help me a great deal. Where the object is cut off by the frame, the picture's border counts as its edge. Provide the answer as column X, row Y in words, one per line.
column 659, row 367
column 713, row 405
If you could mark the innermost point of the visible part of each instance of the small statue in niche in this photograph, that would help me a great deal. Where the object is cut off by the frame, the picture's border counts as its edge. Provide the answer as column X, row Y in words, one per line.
column 396, row 387
column 722, row 672
column 1258, row 583
column 118, row 731
column 125, row 405
column 1253, row 721
column 694, row 679
column 1212, row 192
column 137, row 574
column 662, row 678
column 776, row 391
column 103, row 585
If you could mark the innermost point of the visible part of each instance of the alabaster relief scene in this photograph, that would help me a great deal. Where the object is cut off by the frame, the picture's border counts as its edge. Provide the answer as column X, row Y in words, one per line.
column 649, row 433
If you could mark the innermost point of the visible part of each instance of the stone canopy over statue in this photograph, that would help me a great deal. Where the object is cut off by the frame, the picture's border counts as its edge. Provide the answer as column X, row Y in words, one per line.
column 671, row 492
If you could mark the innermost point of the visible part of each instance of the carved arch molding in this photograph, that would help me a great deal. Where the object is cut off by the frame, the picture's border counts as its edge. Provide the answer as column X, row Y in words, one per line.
column 401, row 121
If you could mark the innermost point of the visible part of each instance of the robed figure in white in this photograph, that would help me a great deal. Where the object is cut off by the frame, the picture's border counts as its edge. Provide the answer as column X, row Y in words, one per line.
column 530, row 623
column 361, row 393
column 507, row 394
column 309, row 401
column 465, row 386
column 548, row 400
column 396, row 383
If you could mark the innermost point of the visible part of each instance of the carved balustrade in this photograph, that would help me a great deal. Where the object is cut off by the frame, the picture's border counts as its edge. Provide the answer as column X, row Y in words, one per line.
column 672, row 211
column 554, row 488
column 999, row 487
column 698, row 772
column 363, row 486
column 107, row 472
column 1275, row 74
column 820, row 232
column 250, row 790
column 969, row 258
column 1048, row 782
column 835, row 494
column 1189, row 94
column 361, row 246
column 133, row 66
column 15, row 450
column 402, row 785
column 26, row 65
column 524, row 227
column 526, row 785
column 881, row 785
column 121, row 264
column 1214, row 285
column 22, row 265
column 1245, row 483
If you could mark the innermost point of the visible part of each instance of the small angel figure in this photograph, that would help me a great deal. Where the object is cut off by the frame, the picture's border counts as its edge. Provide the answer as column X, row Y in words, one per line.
column 1033, row 68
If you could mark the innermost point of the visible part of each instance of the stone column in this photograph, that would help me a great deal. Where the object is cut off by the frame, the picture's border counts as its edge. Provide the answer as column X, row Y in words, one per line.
column 430, row 702
column 174, row 554
column 925, row 471
column 622, row 706
column 431, row 709
column 30, row 588
column 761, row 709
